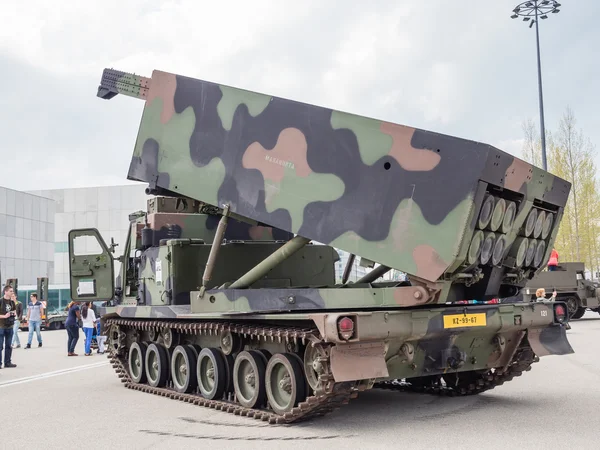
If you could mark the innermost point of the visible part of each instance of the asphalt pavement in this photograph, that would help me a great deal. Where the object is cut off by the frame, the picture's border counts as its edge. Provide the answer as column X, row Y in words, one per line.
column 56, row 401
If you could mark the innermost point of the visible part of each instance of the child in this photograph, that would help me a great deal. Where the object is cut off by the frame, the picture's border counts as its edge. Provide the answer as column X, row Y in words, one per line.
column 541, row 296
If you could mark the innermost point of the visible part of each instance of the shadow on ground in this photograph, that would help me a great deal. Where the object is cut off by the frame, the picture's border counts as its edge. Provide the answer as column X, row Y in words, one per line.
column 373, row 412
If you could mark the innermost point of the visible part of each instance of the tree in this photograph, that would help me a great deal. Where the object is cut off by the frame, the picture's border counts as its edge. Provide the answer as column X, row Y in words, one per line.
column 564, row 240
column 590, row 208
column 532, row 146
column 570, row 156
column 577, row 154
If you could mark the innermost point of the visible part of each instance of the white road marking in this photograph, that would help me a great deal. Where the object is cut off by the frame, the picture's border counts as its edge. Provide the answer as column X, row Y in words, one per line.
column 51, row 374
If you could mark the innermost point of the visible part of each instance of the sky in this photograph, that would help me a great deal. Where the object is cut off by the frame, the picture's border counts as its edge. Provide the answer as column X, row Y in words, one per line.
column 460, row 68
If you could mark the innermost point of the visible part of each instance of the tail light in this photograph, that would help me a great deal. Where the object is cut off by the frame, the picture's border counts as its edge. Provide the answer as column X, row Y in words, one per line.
column 346, row 328
column 560, row 313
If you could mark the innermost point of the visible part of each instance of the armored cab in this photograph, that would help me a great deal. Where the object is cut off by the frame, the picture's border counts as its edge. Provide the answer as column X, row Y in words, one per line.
column 227, row 294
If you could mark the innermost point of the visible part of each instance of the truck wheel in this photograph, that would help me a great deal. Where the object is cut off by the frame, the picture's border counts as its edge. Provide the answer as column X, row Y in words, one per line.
column 579, row 313
column 572, row 306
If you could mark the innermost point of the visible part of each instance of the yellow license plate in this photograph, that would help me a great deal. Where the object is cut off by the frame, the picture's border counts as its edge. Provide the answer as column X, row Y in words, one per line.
column 465, row 320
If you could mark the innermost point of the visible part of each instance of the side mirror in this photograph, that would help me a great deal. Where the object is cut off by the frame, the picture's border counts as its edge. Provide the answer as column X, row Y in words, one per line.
column 112, row 245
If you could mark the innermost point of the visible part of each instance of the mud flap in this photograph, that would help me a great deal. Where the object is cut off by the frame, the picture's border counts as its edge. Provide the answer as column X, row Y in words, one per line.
column 358, row 361
column 550, row 341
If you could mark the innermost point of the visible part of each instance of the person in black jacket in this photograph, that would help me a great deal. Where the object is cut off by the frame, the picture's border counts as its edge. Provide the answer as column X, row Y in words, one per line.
column 7, row 320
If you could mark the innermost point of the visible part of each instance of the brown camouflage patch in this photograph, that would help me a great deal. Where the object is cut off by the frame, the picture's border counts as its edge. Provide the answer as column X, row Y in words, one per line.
column 163, row 86
column 409, row 157
column 289, row 151
column 429, row 263
column 258, row 233
column 517, row 174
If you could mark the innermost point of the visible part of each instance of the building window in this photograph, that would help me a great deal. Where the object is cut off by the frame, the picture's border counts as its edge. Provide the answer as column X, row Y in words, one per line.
column 61, row 247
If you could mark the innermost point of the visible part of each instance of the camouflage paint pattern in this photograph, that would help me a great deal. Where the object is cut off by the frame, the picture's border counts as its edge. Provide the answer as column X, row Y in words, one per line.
column 397, row 195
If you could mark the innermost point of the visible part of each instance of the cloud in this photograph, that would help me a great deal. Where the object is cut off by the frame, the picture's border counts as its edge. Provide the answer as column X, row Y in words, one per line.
column 58, row 134
column 463, row 70
column 512, row 146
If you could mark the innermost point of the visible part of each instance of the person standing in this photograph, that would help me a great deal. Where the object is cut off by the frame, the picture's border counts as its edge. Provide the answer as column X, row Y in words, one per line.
column 17, row 324
column 101, row 339
column 35, row 310
column 553, row 261
column 89, row 323
column 72, row 326
column 7, row 320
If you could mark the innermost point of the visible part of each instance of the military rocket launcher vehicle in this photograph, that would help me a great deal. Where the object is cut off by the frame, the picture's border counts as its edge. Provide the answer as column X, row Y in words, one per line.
column 227, row 295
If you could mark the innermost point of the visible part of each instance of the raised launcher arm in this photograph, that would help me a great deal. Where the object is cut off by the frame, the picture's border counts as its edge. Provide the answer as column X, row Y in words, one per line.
column 464, row 219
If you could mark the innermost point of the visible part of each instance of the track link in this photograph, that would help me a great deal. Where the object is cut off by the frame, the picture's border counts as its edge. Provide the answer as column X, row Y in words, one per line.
column 333, row 396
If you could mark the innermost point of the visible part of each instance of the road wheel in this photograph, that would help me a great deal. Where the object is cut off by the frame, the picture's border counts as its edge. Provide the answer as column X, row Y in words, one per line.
column 137, row 357
column 183, row 369
column 157, row 365
column 285, row 384
column 249, row 378
column 211, row 373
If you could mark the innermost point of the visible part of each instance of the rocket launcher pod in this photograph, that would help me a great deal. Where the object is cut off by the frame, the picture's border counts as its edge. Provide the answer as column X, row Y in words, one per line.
column 463, row 218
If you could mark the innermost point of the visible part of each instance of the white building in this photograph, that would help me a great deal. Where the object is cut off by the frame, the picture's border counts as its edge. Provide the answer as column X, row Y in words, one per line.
column 104, row 208
column 26, row 236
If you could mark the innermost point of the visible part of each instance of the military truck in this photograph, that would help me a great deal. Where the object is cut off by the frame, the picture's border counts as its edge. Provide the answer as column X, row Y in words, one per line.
column 579, row 293
column 227, row 298
column 52, row 319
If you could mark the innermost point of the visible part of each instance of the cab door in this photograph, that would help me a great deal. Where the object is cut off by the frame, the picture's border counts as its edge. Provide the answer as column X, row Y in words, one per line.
column 91, row 266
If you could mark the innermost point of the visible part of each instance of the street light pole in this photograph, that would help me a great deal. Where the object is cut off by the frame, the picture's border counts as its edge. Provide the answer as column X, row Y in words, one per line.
column 539, row 67
column 527, row 10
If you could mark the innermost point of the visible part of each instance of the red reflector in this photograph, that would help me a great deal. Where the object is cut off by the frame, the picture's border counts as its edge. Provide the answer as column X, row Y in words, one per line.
column 346, row 324
column 560, row 310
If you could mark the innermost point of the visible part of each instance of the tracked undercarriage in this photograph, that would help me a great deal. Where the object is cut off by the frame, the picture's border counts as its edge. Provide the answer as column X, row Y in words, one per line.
column 306, row 382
